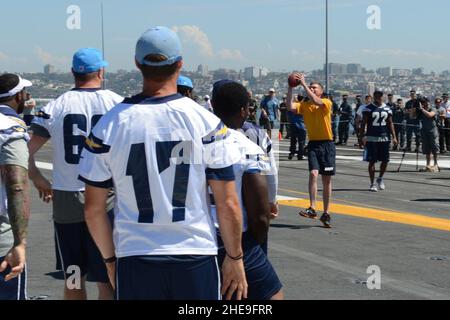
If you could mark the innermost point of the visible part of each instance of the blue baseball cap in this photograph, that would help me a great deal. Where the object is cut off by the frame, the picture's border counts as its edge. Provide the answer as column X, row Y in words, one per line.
column 158, row 40
column 88, row 60
column 185, row 81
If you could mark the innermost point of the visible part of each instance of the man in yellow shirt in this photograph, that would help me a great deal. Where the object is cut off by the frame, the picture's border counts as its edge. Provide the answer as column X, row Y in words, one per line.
column 321, row 150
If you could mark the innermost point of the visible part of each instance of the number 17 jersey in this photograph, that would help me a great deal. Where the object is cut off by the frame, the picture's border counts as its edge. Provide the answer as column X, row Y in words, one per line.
column 158, row 154
column 68, row 121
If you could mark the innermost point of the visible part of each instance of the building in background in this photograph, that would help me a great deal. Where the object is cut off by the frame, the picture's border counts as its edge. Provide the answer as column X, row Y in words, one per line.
column 386, row 71
column 354, row 68
column 401, row 72
column 49, row 69
column 203, row 70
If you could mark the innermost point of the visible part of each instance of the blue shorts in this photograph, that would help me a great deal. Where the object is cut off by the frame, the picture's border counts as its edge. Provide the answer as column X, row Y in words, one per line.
column 376, row 151
column 75, row 247
column 14, row 289
column 322, row 157
column 263, row 282
column 168, row 278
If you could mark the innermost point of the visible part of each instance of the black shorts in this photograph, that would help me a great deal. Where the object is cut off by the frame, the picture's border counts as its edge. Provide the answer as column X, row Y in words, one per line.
column 322, row 157
column 14, row 289
column 75, row 247
column 263, row 282
column 376, row 151
column 168, row 278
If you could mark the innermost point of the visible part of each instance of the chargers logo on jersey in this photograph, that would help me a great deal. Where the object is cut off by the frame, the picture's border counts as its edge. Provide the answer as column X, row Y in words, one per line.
column 218, row 134
column 96, row 145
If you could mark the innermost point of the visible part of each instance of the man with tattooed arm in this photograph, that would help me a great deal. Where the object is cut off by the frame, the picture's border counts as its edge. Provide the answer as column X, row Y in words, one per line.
column 14, row 188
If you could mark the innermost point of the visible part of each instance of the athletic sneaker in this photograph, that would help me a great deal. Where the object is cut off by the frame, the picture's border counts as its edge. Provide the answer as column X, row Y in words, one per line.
column 380, row 183
column 435, row 168
column 373, row 187
column 290, row 156
column 308, row 213
column 326, row 220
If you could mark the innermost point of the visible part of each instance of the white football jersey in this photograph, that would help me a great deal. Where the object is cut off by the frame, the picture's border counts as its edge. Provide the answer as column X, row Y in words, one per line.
column 252, row 160
column 158, row 154
column 69, row 120
column 9, row 129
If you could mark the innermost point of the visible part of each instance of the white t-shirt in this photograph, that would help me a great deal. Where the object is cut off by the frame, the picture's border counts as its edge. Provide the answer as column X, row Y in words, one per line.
column 446, row 106
column 158, row 153
column 68, row 121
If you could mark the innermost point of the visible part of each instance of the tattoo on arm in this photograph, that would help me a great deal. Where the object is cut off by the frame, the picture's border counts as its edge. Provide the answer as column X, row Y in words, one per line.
column 17, row 191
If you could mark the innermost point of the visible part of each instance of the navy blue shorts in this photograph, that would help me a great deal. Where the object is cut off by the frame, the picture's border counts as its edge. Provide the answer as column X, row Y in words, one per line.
column 75, row 247
column 168, row 278
column 263, row 282
column 376, row 151
column 322, row 157
column 14, row 289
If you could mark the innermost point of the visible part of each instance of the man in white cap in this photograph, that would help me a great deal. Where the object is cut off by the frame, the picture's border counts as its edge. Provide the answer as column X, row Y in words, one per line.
column 67, row 121
column 161, row 151
column 14, row 188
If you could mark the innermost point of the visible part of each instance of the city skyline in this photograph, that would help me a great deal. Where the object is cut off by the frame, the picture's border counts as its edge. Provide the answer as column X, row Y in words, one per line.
column 265, row 33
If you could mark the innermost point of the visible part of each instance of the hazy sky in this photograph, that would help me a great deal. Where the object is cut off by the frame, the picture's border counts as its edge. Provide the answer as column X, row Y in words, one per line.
column 277, row 34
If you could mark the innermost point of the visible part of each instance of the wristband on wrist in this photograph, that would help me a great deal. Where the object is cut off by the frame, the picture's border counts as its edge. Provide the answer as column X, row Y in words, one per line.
column 238, row 257
column 110, row 260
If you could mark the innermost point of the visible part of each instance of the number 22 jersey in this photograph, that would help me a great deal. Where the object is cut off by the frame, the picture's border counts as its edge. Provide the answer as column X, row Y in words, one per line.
column 377, row 128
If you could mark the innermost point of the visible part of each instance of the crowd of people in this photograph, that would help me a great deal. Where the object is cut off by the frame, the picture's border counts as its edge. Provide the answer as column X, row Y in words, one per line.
column 130, row 183
column 158, row 197
column 428, row 122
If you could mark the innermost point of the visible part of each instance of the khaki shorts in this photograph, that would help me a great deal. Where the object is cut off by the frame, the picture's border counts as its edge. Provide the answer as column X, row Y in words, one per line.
column 68, row 206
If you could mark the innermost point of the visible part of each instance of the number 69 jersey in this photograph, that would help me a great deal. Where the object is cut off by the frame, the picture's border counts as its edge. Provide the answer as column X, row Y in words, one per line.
column 158, row 154
column 377, row 129
column 68, row 121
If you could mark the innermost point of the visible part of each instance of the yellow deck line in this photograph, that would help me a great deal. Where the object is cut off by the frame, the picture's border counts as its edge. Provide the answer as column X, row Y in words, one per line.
column 377, row 214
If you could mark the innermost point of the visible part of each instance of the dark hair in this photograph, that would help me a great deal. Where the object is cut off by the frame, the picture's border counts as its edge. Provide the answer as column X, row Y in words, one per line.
column 84, row 77
column 378, row 93
column 157, row 73
column 229, row 98
column 185, row 91
column 8, row 81
column 368, row 96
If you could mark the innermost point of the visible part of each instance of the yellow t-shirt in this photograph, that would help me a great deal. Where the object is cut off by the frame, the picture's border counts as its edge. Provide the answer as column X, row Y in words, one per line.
column 317, row 119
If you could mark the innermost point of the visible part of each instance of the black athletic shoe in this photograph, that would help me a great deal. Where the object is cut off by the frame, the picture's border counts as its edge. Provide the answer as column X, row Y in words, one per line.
column 300, row 158
column 290, row 156
column 308, row 213
column 326, row 220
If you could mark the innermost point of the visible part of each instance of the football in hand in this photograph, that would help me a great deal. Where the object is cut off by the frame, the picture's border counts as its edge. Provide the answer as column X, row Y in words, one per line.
column 292, row 81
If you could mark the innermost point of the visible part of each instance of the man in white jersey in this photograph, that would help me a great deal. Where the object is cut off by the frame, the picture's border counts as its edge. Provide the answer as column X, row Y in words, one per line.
column 14, row 188
column 230, row 103
column 67, row 121
column 159, row 149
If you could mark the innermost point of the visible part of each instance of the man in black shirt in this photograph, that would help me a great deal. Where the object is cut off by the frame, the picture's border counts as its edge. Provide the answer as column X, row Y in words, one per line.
column 345, row 112
column 398, row 117
column 412, row 122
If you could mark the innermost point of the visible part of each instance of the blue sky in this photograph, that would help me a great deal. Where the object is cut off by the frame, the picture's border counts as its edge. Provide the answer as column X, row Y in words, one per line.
column 277, row 34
